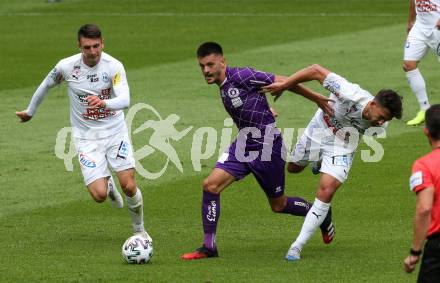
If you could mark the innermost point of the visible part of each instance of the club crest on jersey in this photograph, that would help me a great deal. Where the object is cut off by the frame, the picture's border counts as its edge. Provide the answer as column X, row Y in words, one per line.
column 105, row 78
column 233, row 92
column 86, row 161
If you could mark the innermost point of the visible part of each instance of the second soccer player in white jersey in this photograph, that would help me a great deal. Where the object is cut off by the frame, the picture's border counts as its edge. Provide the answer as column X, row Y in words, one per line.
column 423, row 34
column 98, row 91
column 332, row 140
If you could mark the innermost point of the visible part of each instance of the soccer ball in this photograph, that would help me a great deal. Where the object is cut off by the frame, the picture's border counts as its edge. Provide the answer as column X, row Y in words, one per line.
column 137, row 249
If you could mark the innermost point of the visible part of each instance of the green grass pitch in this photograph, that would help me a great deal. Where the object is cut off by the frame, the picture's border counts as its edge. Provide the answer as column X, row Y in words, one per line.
column 51, row 230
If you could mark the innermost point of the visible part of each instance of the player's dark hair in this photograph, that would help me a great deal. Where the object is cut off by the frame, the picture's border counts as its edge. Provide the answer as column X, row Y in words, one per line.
column 391, row 100
column 432, row 121
column 209, row 48
column 89, row 31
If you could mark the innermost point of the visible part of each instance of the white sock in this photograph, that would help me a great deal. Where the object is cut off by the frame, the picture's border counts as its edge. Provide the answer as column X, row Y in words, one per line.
column 418, row 87
column 135, row 206
column 313, row 220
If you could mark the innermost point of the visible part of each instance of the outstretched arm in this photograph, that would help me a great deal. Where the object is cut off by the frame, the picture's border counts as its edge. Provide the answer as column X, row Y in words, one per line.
column 310, row 73
column 320, row 100
column 53, row 78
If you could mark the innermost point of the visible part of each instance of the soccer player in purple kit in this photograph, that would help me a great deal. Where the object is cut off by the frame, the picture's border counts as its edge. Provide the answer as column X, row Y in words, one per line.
column 258, row 148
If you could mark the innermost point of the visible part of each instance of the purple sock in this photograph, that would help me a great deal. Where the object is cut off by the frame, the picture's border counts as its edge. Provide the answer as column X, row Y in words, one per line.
column 209, row 241
column 297, row 206
column 210, row 215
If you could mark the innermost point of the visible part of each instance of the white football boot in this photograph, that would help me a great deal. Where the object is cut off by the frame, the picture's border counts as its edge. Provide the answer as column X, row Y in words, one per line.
column 293, row 253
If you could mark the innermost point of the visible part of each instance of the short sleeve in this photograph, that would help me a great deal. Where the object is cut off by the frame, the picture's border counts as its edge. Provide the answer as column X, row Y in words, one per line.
column 421, row 177
column 254, row 79
column 343, row 89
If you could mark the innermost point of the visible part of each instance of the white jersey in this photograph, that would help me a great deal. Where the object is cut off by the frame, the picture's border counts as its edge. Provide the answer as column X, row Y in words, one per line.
column 349, row 102
column 107, row 80
column 428, row 13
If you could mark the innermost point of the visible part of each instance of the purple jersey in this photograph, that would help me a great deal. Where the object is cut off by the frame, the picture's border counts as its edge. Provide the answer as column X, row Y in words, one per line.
column 243, row 101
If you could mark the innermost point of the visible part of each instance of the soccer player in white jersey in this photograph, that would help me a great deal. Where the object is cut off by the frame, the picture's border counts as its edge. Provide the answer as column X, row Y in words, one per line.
column 423, row 34
column 98, row 91
column 332, row 140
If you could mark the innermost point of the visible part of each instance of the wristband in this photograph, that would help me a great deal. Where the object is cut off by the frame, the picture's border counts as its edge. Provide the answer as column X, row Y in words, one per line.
column 414, row 252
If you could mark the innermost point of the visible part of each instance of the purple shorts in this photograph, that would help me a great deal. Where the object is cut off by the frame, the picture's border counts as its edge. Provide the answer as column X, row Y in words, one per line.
column 267, row 167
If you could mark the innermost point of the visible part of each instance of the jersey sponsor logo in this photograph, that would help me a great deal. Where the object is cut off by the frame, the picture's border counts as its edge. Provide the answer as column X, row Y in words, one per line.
column 116, row 79
column 105, row 78
column 357, row 125
column 415, row 180
column 82, row 98
column 236, row 102
column 93, row 78
column 353, row 108
column 335, row 88
column 423, row 6
column 234, row 94
column 105, row 94
column 334, row 124
column 123, row 150
column 86, row 161
column 98, row 113
column 342, row 160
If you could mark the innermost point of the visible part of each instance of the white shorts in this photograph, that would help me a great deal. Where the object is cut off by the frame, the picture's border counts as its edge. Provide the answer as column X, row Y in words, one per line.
column 335, row 162
column 95, row 156
column 419, row 41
